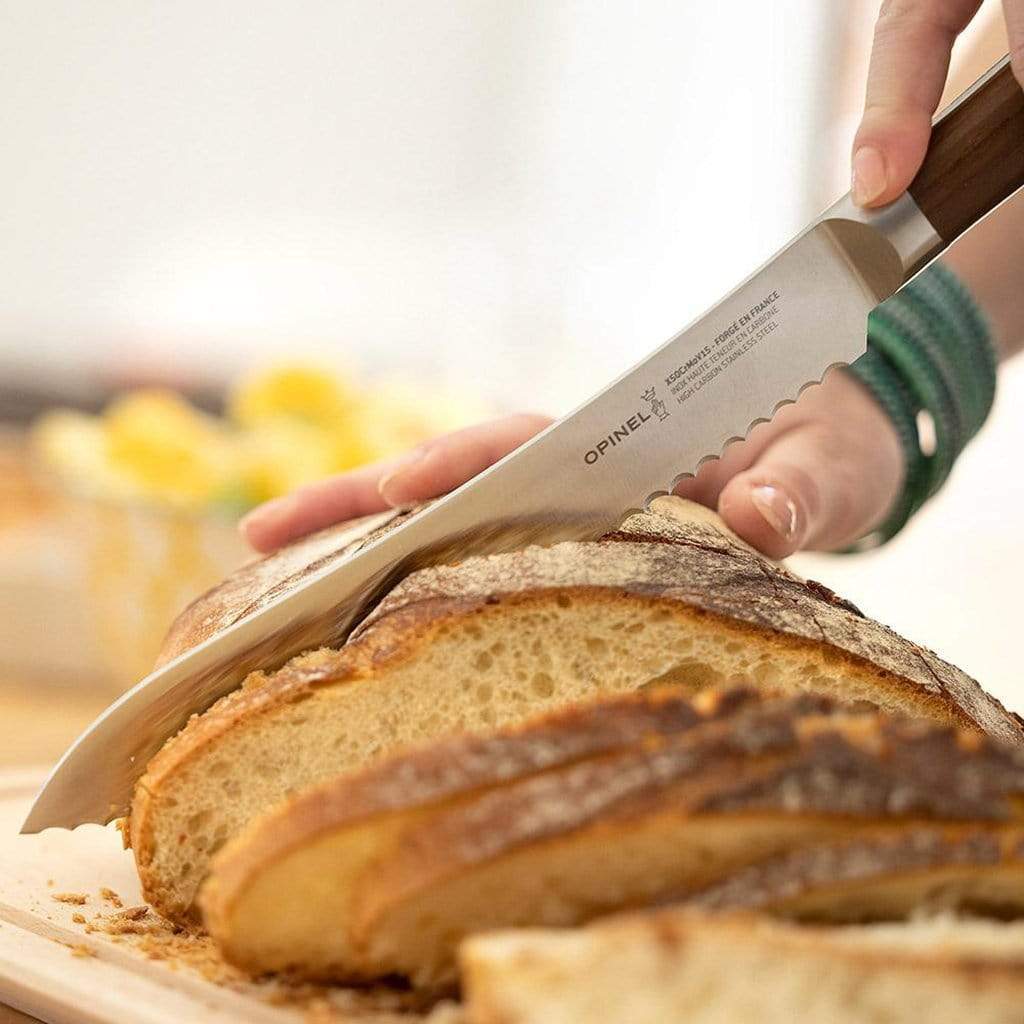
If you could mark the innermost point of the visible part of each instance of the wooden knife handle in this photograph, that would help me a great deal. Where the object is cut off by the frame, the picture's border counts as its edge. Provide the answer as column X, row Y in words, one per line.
column 976, row 156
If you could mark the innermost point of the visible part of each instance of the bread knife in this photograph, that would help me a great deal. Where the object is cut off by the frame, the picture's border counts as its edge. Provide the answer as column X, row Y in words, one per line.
column 776, row 333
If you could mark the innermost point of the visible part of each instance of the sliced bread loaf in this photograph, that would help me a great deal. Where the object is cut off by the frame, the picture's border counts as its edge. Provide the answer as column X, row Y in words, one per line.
column 679, row 965
column 670, row 597
column 394, row 892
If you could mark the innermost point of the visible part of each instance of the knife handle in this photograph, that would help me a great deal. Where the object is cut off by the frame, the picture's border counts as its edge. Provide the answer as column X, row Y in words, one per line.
column 976, row 156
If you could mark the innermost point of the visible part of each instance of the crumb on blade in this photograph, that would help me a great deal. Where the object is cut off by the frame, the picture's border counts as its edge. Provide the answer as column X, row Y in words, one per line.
column 82, row 951
column 77, row 898
column 78, row 918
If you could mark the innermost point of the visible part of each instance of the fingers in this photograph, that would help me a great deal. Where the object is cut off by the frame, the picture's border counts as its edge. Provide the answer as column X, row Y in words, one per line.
column 822, row 484
column 1014, row 13
column 446, row 462
column 434, row 468
column 909, row 63
column 314, row 506
column 824, row 472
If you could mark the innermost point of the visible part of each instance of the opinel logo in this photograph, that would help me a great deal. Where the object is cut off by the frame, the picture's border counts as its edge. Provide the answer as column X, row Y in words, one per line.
column 617, row 436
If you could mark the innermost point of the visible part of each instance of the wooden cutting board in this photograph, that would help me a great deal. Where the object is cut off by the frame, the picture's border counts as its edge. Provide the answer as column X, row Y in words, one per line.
column 56, row 970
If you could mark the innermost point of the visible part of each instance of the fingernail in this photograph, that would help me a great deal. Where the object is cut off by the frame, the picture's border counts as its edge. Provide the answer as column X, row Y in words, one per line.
column 389, row 487
column 777, row 509
column 869, row 178
column 269, row 514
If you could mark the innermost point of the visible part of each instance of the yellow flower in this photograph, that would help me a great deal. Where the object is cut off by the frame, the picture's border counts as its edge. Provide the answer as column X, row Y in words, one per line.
column 74, row 446
column 285, row 427
column 299, row 392
column 281, row 454
column 172, row 451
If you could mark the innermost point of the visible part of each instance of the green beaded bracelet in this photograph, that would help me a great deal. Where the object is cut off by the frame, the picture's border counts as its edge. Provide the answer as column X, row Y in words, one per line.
column 930, row 353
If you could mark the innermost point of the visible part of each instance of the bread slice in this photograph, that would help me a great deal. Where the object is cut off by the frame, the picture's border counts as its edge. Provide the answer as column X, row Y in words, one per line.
column 394, row 892
column 332, row 835
column 965, row 868
column 671, row 597
column 679, row 965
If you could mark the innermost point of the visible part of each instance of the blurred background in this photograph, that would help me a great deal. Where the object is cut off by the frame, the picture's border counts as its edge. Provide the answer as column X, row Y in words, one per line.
column 243, row 245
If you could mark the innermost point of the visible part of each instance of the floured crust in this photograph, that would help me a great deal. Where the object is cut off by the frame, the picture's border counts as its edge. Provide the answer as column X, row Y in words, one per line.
column 872, row 945
column 262, row 580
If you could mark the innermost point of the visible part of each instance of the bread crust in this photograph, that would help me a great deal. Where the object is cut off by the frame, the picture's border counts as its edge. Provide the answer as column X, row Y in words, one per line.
column 795, row 883
column 261, row 580
column 676, row 551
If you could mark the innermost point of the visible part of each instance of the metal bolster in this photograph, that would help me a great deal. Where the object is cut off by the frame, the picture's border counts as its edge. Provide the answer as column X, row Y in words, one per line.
column 902, row 223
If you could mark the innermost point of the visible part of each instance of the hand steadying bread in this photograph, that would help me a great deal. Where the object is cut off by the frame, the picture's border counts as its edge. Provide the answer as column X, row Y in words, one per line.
column 672, row 596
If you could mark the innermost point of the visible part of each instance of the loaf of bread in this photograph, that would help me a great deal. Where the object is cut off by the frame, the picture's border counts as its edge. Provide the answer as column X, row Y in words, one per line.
column 679, row 965
column 336, row 885
column 671, row 597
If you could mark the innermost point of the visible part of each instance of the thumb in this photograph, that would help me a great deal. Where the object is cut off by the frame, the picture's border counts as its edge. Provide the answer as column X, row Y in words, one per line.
column 813, row 488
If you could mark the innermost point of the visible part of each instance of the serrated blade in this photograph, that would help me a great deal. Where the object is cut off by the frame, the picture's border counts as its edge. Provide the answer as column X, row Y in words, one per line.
column 778, row 332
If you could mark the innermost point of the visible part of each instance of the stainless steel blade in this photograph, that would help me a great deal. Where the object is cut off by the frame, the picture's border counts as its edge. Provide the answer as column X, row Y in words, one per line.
column 779, row 331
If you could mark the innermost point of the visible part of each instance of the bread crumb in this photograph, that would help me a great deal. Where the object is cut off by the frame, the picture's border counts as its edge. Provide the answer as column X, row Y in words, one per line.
column 126, row 922
column 82, row 951
column 179, row 949
column 76, row 898
column 78, row 918
column 110, row 896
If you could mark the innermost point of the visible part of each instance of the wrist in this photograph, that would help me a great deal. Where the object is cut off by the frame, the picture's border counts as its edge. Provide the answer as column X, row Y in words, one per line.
column 930, row 366
column 881, row 454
